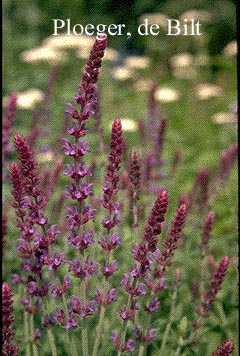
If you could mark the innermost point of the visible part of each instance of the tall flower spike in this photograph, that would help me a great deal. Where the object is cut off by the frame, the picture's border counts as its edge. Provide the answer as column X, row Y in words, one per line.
column 207, row 228
column 18, row 189
column 112, row 176
column 87, row 92
column 175, row 162
column 79, row 191
column 8, row 121
column 226, row 349
column 135, row 184
column 153, row 109
column 160, row 140
column 170, row 243
column 28, row 166
column 8, row 332
column 227, row 160
column 154, row 224
column 210, row 296
column 134, row 172
column 4, row 231
column 201, row 188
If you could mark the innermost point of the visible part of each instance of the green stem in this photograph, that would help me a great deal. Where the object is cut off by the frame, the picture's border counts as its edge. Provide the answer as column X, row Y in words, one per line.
column 49, row 330
column 26, row 332
column 141, row 350
column 84, row 324
column 168, row 327
column 179, row 348
column 98, row 331
column 147, row 323
column 224, row 320
column 135, row 210
column 70, row 336
column 84, row 338
column 52, row 341
column 203, row 273
column 35, row 350
column 125, row 322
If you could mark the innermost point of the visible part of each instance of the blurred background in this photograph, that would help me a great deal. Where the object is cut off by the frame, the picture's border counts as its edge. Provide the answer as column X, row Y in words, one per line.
column 195, row 75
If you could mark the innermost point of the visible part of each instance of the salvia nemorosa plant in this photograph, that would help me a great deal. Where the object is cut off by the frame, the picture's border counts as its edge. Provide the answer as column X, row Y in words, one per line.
column 88, row 285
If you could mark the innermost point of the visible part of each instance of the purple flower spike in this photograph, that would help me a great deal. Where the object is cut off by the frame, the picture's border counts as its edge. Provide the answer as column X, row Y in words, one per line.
column 71, row 323
column 54, row 262
column 7, row 124
column 150, row 335
column 111, row 296
column 58, row 291
column 109, row 244
column 226, row 349
column 37, row 334
column 109, row 268
column 210, row 296
column 129, row 345
column 81, row 309
column 82, row 269
column 170, row 243
column 8, row 332
column 112, row 177
column 153, row 306
column 154, row 224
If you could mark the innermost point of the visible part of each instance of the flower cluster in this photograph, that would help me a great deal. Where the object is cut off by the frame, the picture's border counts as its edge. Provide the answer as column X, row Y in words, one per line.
column 133, row 179
column 215, row 285
column 201, row 188
column 207, row 228
column 4, row 231
column 135, row 173
column 7, row 124
column 78, row 190
column 112, row 177
column 170, row 243
column 160, row 141
column 8, row 332
column 226, row 349
column 29, row 203
column 227, row 160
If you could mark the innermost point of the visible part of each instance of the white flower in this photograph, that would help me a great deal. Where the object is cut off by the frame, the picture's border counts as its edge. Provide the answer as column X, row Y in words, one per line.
column 27, row 99
column 166, row 95
column 65, row 41
column 127, row 124
column 39, row 54
column 155, row 18
column 224, row 117
column 208, row 90
column 122, row 73
column 45, row 156
column 137, row 62
column 230, row 50
column 182, row 60
column 111, row 55
column 197, row 15
column 83, row 53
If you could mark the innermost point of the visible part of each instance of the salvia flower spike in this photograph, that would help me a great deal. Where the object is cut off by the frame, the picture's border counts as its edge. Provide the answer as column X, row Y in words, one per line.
column 226, row 349
column 8, row 332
